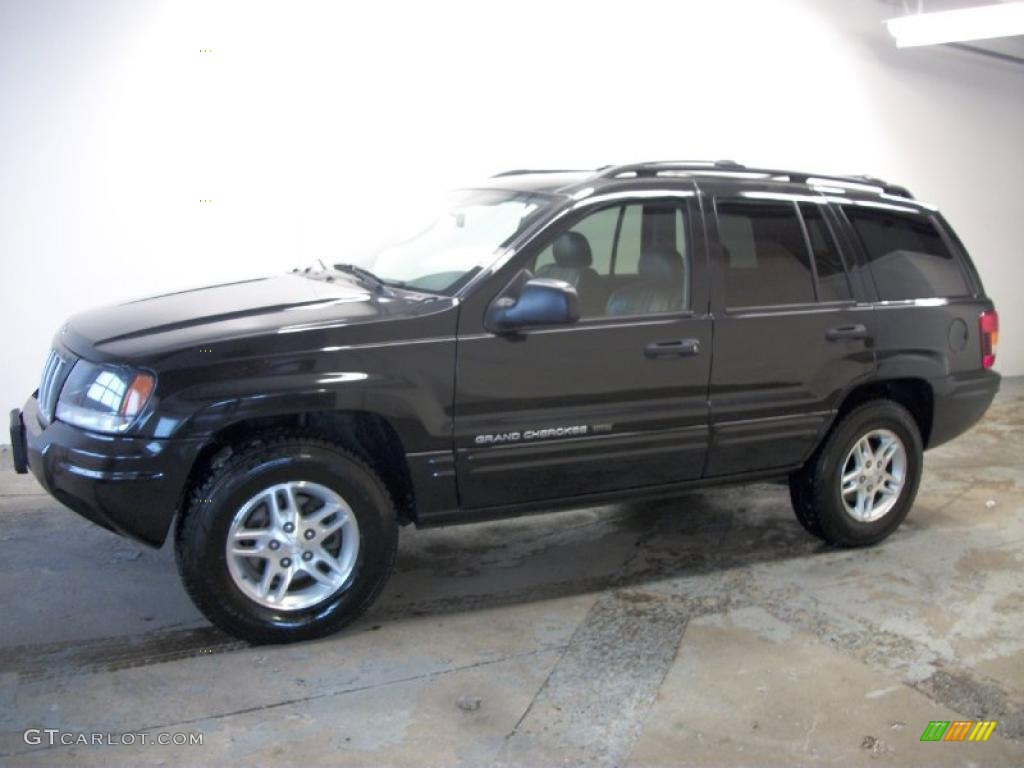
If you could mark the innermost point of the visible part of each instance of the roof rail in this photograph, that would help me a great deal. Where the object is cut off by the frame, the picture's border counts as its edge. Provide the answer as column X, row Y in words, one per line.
column 730, row 167
column 521, row 171
column 654, row 168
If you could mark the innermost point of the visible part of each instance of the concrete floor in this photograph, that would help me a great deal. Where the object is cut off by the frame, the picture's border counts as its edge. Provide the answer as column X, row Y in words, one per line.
column 706, row 630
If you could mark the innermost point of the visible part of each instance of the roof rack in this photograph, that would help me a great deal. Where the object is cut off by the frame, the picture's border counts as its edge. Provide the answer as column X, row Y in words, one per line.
column 730, row 167
column 521, row 171
column 656, row 167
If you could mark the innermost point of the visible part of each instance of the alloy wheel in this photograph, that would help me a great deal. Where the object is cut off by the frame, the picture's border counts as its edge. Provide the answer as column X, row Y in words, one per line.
column 292, row 545
column 873, row 475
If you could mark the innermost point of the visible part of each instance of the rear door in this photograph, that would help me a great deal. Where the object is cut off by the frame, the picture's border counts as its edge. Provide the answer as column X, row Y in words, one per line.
column 617, row 400
column 790, row 334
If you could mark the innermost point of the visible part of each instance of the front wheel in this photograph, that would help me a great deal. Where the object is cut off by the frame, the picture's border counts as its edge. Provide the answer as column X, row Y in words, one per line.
column 860, row 484
column 289, row 539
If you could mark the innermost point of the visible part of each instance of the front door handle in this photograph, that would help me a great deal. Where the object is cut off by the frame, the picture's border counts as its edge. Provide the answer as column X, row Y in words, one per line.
column 845, row 332
column 673, row 348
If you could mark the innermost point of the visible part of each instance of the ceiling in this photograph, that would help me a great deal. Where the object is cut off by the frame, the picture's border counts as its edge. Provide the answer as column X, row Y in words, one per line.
column 1006, row 46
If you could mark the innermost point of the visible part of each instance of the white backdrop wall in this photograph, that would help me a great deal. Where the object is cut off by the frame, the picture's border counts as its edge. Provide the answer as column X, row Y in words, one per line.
column 311, row 125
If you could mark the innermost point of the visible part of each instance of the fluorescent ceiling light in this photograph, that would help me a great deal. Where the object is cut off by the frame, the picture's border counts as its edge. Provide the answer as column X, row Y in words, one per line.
column 978, row 23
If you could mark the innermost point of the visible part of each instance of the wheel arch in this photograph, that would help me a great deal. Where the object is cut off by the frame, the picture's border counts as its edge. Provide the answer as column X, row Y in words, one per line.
column 367, row 434
column 914, row 394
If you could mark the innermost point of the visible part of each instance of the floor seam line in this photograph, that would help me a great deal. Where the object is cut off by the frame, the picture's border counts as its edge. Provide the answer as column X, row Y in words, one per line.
column 313, row 697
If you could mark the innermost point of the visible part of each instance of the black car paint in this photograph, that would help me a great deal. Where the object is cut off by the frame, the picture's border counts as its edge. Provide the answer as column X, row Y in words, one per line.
column 755, row 397
column 777, row 378
column 591, row 373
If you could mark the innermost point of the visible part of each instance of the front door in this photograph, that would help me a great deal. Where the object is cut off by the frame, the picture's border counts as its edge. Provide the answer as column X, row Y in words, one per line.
column 615, row 401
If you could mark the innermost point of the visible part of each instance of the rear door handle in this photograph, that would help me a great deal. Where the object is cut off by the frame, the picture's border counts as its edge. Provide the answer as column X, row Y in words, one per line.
column 673, row 348
column 844, row 332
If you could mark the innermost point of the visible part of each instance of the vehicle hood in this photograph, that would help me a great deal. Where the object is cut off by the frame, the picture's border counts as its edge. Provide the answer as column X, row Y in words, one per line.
column 203, row 316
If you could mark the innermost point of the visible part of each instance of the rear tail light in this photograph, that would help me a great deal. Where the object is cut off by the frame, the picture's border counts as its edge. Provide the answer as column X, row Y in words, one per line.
column 988, row 325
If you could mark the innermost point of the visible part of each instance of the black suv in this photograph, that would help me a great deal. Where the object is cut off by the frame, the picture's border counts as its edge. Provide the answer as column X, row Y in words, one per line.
column 551, row 339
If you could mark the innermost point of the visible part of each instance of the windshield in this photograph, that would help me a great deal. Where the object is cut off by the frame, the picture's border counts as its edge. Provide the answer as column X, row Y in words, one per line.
column 458, row 241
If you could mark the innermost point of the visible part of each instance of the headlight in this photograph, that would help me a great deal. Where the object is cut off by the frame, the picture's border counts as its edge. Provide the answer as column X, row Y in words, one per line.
column 103, row 398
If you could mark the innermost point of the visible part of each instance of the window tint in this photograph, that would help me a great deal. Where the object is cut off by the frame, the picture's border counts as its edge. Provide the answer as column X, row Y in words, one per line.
column 833, row 284
column 766, row 260
column 908, row 257
column 644, row 270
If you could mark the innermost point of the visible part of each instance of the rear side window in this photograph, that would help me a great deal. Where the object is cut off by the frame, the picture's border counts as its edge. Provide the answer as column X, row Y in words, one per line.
column 765, row 256
column 833, row 285
column 908, row 257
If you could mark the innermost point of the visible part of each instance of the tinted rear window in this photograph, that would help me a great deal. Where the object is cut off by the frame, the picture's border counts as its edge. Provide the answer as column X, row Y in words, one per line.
column 908, row 257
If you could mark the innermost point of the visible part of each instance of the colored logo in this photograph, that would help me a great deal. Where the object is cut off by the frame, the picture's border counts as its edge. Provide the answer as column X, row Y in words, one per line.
column 958, row 730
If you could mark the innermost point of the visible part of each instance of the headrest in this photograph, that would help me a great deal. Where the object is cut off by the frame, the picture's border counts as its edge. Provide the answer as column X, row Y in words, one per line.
column 660, row 263
column 572, row 250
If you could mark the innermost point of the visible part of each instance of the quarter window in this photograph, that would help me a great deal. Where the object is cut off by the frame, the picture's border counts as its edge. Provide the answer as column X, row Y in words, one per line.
column 765, row 256
column 907, row 255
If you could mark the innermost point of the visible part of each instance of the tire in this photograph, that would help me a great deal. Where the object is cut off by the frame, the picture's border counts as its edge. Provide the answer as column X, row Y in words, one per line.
column 848, row 519
column 251, row 492
column 800, row 497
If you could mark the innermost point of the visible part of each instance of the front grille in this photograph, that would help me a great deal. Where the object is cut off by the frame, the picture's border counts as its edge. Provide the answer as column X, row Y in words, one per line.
column 55, row 372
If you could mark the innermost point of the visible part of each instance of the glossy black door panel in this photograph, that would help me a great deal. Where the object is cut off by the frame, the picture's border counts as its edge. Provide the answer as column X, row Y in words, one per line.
column 608, row 403
column 776, row 382
column 628, row 420
column 779, row 371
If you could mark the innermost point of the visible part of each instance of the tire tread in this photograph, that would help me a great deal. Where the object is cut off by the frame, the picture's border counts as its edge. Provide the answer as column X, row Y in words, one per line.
column 193, row 528
column 811, row 486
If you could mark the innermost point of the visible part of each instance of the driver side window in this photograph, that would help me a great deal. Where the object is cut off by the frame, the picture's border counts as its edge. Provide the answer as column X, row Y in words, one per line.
column 630, row 259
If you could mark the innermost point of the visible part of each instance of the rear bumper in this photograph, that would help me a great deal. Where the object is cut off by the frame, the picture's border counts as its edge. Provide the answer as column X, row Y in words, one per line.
column 960, row 401
column 132, row 486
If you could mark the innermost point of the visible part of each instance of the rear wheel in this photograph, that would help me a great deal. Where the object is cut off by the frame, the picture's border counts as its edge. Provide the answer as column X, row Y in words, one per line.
column 860, row 484
column 289, row 539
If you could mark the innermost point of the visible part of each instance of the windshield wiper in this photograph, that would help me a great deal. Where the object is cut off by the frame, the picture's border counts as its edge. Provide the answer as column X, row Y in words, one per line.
column 366, row 276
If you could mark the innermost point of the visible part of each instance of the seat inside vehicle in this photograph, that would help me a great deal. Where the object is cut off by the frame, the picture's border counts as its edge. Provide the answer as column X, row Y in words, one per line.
column 573, row 260
column 658, row 287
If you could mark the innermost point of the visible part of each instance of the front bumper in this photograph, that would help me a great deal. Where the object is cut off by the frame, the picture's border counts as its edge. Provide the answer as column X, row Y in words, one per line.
column 18, row 449
column 129, row 485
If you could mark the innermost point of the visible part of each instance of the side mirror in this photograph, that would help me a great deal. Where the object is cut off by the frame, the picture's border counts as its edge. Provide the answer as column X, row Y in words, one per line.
column 532, row 301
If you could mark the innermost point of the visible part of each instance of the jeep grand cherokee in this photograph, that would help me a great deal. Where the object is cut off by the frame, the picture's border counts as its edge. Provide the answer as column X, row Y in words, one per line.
column 552, row 339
